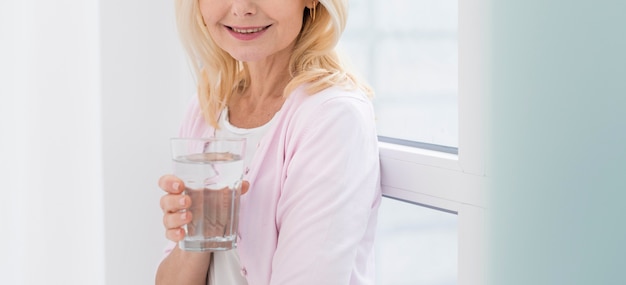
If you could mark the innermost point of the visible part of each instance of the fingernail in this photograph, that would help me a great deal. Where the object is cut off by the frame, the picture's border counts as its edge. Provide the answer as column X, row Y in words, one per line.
column 183, row 216
column 182, row 201
column 175, row 185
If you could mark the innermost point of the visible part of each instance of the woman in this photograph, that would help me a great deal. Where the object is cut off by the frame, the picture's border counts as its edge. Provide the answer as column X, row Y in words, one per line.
column 267, row 71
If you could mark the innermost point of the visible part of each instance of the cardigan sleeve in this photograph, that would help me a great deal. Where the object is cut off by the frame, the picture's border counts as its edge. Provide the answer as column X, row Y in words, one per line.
column 326, row 214
column 193, row 124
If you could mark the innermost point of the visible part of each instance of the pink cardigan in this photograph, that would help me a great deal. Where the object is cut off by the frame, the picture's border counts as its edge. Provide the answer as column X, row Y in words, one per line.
column 309, row 216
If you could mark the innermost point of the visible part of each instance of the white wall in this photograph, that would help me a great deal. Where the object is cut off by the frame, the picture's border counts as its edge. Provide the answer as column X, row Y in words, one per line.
column 145, row 87
column 51, row 210
column 90, row 92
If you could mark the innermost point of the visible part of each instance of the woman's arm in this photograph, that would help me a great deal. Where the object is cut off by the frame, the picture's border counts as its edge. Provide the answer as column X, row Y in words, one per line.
column 184, row 267
column 179, row 266
column 327, row 211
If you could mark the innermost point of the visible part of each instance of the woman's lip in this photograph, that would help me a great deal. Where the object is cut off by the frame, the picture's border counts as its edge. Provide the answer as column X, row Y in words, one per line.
column 248, row 30
column 247, row 33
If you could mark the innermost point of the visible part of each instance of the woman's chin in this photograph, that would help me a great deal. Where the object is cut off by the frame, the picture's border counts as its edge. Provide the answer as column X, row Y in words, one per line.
column 251, row 56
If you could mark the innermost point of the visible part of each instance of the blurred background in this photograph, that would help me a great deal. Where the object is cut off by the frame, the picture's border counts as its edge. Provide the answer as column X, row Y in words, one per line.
column 90, row 93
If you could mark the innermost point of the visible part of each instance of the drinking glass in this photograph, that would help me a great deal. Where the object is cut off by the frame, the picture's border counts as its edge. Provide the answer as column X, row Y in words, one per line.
column 212, row 170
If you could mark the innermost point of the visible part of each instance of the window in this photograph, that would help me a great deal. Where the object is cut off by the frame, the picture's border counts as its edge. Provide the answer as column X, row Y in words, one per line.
column 407, row 50
column 426, row 62
column 415, row 245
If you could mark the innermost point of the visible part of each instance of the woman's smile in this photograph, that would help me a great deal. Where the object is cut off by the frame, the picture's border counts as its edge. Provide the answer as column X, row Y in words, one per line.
column 254, row 30
column 247, row 33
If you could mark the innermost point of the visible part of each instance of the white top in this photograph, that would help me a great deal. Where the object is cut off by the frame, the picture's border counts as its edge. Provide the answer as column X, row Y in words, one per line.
column 225, row 266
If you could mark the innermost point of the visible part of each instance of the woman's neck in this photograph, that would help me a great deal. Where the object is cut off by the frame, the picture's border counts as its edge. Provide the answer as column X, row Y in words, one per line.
column 268, row 78
column 263, row 97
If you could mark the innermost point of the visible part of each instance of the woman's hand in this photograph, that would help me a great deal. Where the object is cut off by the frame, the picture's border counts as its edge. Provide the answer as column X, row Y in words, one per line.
column 175, row 205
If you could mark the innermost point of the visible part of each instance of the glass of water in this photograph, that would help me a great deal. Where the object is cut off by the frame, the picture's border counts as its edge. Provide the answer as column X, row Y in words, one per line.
column 212, row 170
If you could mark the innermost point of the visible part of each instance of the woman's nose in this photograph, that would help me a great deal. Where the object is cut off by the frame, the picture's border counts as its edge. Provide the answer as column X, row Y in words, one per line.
column 244, row 7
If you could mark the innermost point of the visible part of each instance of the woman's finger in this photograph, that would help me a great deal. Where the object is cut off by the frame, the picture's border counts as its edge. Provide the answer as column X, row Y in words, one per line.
column 175, row 235
column 176, row 220
column 245, row 185
column 171, row 184
column 172, row 203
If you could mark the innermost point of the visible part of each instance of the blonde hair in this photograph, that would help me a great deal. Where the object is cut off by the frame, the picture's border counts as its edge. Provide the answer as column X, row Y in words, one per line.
column 314, row 60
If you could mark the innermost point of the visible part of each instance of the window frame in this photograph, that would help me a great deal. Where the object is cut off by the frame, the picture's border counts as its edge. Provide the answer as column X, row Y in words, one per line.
column 454, row 182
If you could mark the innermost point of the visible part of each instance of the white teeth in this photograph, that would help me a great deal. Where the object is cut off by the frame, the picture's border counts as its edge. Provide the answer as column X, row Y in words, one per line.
column 247, row 31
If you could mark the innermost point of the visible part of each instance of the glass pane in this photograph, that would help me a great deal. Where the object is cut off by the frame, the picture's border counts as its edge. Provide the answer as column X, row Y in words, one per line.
column 415, row 245
column 407, row 50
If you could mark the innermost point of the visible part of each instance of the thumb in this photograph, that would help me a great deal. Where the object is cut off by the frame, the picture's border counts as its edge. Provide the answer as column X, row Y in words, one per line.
column 245, row 185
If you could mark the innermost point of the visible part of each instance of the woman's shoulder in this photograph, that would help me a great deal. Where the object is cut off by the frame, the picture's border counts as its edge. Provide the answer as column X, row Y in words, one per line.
column 334, row 104
column 301, row 98
column 194, row 124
